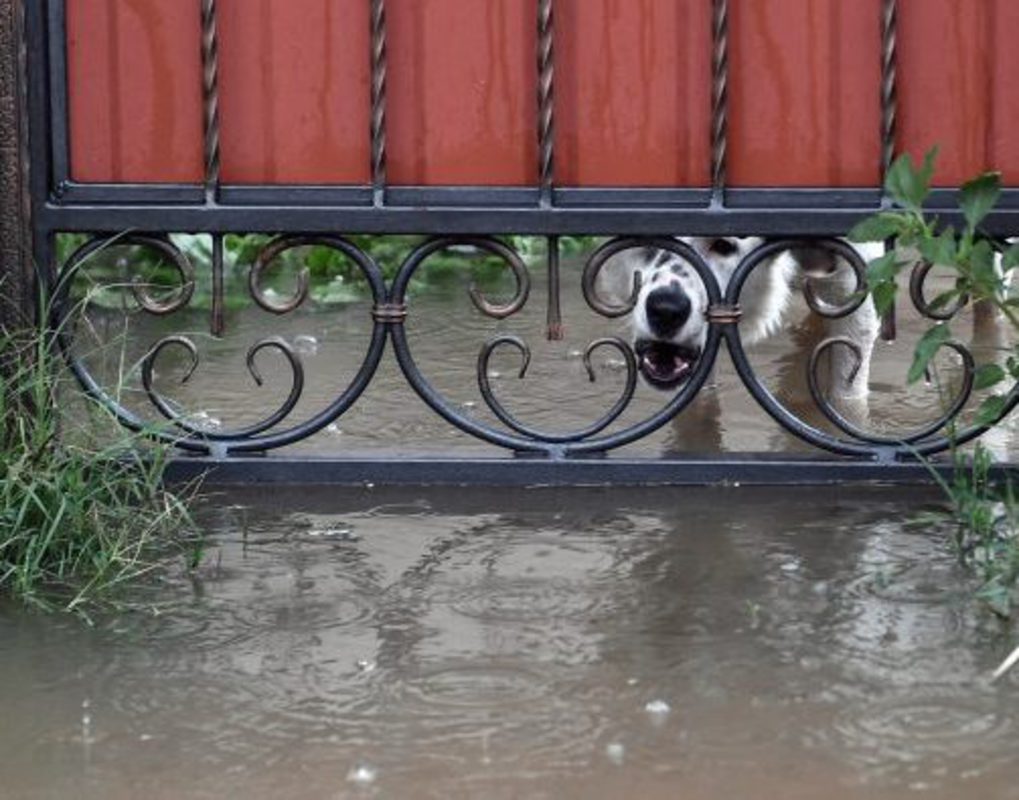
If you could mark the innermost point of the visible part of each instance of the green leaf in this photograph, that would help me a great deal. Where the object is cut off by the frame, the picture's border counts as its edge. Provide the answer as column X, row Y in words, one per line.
column 942, row 249
column 997, row 597
column 978, row 196
column 884, row 296
column 926, row 348
column 883, row 268
column 877, row 228
column 908, row 185
column 987, row 375
column 984, row 273
column 943, row 299
column 990, row 410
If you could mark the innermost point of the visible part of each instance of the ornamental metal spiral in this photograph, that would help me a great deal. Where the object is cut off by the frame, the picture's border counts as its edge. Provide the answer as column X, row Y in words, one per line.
column 926, row 440
column 181, row 430
column 517, row 435
column 391, row 307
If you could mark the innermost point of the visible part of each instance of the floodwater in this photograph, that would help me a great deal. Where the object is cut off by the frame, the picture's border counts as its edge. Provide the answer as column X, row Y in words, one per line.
column 370, row 643
column 527, row 644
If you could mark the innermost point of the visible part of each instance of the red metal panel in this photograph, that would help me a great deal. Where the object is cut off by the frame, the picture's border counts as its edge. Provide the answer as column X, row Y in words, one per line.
column 462, row 92
column 633, row 92
column 804, row 92
column 958, row 63
column 294, row 91
column 135, row 106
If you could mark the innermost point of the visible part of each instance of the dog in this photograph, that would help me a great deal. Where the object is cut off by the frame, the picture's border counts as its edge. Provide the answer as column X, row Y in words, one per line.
column 669, row 323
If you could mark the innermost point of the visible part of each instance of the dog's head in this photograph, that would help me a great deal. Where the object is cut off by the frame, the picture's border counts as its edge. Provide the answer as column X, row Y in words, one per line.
column 669, row 321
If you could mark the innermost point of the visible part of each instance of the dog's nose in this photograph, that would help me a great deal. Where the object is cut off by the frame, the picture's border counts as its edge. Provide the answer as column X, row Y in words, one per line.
column 667, row 310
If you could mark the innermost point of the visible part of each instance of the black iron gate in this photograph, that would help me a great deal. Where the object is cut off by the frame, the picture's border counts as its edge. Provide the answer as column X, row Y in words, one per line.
column 476, row 218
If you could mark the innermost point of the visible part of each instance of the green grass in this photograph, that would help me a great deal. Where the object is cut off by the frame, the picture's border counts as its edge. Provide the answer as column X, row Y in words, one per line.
column 81, row 514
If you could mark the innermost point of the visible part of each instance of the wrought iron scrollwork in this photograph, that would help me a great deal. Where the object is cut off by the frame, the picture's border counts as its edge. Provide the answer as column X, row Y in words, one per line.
column 917, row 278
column 520, row 436
column 141, row 290
column 841, row 269
column 930, row 437
column 485, row 386
column 182, row 422
column 183, row 431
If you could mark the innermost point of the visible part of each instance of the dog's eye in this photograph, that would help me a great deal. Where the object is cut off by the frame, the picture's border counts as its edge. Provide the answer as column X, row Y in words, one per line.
column 722, row 247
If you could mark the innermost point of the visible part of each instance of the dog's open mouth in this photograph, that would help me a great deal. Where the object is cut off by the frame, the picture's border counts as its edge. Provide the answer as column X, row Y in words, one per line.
column 663, row 364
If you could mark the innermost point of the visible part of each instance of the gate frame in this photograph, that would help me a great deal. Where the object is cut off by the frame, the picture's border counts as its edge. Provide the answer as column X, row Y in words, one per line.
column 59, row 204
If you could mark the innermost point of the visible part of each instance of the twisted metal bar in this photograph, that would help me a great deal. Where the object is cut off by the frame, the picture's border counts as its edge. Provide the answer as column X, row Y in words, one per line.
column 546, row 102
column 889, row 84
column 210, row 98
column 889, row 111
column 378, row 100
column 719, row 98
column 485, row 387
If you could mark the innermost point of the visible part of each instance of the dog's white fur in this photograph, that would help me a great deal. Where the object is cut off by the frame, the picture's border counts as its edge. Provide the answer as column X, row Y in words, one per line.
column 765, row 300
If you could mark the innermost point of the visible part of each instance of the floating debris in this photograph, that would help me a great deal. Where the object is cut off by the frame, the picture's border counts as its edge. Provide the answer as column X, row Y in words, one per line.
column 1006, row 665
column 305, row 344
column 343, row 533
column 363, row 774
column 616, row 752
column 657, row 708
column 364, row 665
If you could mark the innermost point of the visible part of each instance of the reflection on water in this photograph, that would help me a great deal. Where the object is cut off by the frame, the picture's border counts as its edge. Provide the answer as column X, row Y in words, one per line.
column 446, row 333
column 601, row 644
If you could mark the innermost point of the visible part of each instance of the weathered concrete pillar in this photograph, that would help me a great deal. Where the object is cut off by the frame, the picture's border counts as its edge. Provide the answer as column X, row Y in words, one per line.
column 16, row 272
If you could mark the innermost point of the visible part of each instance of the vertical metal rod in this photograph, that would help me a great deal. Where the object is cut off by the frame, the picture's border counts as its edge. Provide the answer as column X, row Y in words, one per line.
column 218, row 321
column 546, row 102
column 889, row 85
column 378, row 101
column 210, row 98
column 889, row 110
column 719, row 98
column 554, row 328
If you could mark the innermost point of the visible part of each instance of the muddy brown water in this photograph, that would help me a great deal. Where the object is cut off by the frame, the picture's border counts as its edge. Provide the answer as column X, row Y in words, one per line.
column 527, row 644
column 718, row 643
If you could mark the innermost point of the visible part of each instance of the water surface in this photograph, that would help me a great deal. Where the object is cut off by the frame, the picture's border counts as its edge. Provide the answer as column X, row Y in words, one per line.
column 527, row 644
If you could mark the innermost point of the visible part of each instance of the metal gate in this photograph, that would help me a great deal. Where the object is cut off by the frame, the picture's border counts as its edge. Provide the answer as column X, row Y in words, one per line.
column 556, row 184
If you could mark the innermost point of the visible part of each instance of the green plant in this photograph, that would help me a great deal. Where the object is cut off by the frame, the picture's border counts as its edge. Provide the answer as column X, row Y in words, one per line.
column 80, row 515
column 986, row 511
column 335, row 279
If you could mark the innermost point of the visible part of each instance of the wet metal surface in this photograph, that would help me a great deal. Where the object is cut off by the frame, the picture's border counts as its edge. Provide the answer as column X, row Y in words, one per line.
column 652, row 644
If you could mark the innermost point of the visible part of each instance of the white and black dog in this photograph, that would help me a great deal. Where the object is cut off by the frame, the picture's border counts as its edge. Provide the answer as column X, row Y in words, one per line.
column 669, row 323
